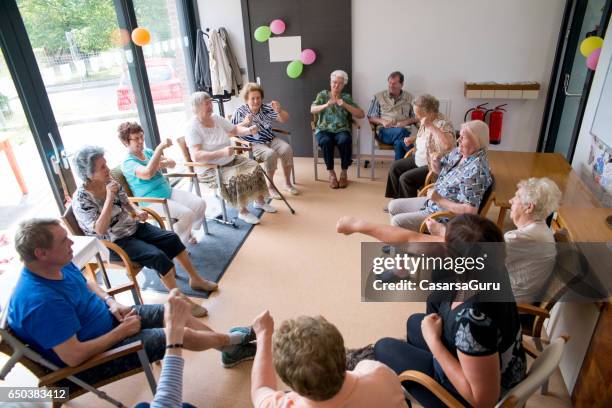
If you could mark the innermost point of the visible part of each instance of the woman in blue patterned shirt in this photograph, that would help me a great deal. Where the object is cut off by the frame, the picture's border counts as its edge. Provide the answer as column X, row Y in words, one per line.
column 464, row 178
column 266, row 146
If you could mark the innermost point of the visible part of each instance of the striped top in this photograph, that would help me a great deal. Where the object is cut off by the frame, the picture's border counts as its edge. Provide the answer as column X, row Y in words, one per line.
column 170, row 388
column 263, row 119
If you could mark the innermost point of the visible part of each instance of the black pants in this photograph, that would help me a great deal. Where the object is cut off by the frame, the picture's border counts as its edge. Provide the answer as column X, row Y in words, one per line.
column 405, row 178
column 152, row 247
column 413, row 354
column 328, row 140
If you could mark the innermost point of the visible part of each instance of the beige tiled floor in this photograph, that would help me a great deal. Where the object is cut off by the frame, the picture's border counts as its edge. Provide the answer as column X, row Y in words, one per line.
column 292, row 265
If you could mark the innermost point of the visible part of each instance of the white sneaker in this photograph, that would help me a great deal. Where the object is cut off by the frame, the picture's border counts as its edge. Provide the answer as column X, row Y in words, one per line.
column 265, row 206
column 291, row 190
column 248, row 218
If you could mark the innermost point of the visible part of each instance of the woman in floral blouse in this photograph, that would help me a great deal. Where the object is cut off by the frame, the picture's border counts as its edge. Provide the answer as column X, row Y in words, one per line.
column 335, row 111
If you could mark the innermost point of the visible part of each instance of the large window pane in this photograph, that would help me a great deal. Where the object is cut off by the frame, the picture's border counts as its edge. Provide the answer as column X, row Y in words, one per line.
column 25, row 188
column 165, row 63
column 79, row 50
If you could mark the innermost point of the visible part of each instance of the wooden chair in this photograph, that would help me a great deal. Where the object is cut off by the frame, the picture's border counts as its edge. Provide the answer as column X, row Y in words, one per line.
column 50, row 375
column 483, row 209
column 131, row 268
column 281, row 132
column 316, row 148
column 191, row 165
column 540, row 371
column 118, row 175
column 377, row 144
column 533, row 316
column 248, row 147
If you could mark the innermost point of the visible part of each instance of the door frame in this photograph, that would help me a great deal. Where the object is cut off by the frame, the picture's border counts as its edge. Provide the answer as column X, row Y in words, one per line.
column 569, row 37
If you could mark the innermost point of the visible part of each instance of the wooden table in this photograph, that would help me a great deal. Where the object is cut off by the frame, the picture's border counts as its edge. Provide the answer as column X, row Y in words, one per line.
column 509, row 168
column 5, row 146
column 585, row 224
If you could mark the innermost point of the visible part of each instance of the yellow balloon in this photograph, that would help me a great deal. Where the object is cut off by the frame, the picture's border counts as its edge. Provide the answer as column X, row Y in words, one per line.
column 588, row 45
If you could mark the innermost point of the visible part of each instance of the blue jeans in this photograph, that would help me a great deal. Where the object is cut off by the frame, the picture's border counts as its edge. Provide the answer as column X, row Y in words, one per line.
column 328, row 140
column 395, row 137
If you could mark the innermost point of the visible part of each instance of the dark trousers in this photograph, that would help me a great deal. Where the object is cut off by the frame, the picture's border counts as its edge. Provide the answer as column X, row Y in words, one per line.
column 343, row 140
column 405, row 178
column 395, row 137
column 413, row 354
column 152, row 247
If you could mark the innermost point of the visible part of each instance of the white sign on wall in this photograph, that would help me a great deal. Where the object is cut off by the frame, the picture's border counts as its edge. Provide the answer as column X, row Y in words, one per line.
column 285, row 48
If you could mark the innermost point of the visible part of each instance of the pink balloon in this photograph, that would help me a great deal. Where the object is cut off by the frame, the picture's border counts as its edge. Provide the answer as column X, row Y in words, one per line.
column 593, row 59
column 277, row 26
column 308, row 56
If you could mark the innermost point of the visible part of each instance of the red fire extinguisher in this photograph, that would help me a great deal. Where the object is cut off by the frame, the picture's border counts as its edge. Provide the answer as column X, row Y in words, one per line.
column 478, row 113
column 495, row 121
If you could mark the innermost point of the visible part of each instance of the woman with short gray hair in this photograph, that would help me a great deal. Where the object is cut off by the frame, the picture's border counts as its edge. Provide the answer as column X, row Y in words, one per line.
column 103, row 210
column 531, row 250
column 436, row 136
column 207, row 136
column 334, row 112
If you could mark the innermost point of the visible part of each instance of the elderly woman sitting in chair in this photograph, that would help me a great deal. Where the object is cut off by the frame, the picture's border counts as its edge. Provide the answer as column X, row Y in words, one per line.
column 464, row 178
column 335, row 111
column 103, row 210
column 242, row 180
column 142, row 170
column 266, row 146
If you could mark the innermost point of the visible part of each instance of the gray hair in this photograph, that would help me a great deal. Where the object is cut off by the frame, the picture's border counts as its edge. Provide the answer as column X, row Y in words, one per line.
column 34, row 233
column 428, row 103
column 85, row 160
column 197, row 99
column 339, row 73
column 479, row 131
column 542, row 193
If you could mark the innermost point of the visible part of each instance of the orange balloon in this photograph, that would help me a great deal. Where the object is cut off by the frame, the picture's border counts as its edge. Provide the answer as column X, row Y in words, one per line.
column 141, row 36
column 119, row 37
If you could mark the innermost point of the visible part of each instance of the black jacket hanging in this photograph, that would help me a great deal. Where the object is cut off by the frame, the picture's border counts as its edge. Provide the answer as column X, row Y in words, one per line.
column 202, row 65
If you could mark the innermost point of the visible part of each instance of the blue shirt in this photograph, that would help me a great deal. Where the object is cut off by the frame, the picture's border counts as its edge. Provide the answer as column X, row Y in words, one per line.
column 156, row 187
column 44, row 313
column 464, row 182
column 263, row 119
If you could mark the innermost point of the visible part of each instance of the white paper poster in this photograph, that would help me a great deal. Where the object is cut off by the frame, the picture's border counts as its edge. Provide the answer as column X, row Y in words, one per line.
column 285, row 48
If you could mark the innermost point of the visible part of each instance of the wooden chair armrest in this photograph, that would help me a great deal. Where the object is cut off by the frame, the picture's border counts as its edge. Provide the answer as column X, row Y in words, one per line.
column 101, row 358
column 432, row 385
column 119, row 288
column 409, row 153
column 425, row 189
column 439, row 214
column 243, row 143
column 159, row 219
column 118, row 250
column 524, row 308
column 198, row 164
column 151, row 200
column 530, row 350
column 180, row 175
column 281, row 131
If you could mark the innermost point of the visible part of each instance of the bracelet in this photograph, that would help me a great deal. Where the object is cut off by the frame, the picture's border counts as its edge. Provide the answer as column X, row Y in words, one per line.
column 172, row 346
column 106, row 299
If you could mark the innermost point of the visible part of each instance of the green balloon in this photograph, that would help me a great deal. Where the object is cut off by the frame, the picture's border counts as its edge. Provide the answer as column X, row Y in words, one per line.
column 262, row 33
column 294, row 69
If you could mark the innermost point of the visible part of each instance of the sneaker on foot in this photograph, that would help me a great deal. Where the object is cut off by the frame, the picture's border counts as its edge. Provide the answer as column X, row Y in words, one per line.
column 274, row 195
column 248, row 331
column 291, row 190
column 249, row 218
column 239, row 354
column 265, row 206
